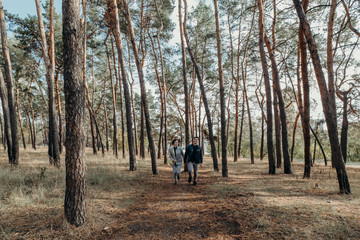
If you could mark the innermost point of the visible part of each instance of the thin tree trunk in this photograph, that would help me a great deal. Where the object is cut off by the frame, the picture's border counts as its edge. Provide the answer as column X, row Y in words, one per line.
column 132, row 103
column 293, row 138
column 241, row 124
column 59, row 112
column 202, row 88
column 262, row 139
column 329, row 111
column 163, row 83
column 113, row 94
column 31, row 134
column 54, row 152
column 182, row 31
column 118, row 77
column 345, row 126
column 33, row 124
column 321, row 148
column 277, row 129
column 222, row 95
column 10, row 93
column 283, row 119
column 304, row 105
column 2, row 131
column 19, row 113
column 142, row 132
column 142, row 88
column 267, row 89
column 7, row 123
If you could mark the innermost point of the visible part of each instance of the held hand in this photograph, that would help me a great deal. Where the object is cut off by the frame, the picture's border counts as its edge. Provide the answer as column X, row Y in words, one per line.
column 201, row 165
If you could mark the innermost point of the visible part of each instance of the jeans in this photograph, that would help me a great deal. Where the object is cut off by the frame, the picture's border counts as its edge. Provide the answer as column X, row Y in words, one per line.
column 192, row 166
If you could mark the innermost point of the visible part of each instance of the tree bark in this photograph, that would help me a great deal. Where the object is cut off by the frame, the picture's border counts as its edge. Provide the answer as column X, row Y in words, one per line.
column 75, row 205
column 10, row 93
column 329, row 113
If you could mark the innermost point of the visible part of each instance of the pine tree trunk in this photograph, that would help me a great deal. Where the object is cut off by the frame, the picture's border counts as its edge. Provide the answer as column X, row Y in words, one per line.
column 222, row 95
column 279, row 97
column 304, row 105
column 74, row 206
column 59, row 112
column 19, row 113
column 262, row 139
column 264, row 65
column 121, row 100
column 344, row 127
column 202, row 89
column 241, row 125
column 10, row 93
column 6, row 113
column 164, row 90
column 2, row 130
column 132, row 103
column 125, row 83
column 113, row 94
column 33, row 125
column 277, row 129
column 54, row 152
column 142, row 132
column 187, row 137
column 330, row 114
column 293, row 138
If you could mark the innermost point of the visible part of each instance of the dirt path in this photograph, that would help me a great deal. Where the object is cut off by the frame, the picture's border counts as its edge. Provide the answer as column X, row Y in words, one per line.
column 180, row 211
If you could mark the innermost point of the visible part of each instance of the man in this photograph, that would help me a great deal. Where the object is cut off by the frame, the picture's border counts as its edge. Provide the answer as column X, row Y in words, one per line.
column 193, row 157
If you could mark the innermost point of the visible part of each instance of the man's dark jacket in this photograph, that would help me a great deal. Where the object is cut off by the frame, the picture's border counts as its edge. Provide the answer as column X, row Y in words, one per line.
column 190, row 150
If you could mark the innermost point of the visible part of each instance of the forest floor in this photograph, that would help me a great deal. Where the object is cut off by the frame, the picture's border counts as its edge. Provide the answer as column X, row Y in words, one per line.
column 249, row 204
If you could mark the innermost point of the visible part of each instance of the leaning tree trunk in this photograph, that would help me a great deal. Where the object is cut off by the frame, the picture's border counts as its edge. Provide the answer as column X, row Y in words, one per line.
column 264, row 65
column 330, row 114
column 10, row 93
column 142, row 87
column 203, row 92
column 112, row 4
column 54, row 152
column 74, row 206
column 285, row 145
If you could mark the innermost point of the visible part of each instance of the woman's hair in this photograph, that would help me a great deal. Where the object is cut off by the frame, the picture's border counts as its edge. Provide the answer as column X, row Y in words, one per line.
column 174, row 140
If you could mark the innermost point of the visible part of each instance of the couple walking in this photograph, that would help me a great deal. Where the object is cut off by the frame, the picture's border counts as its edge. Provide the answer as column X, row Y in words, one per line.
column 193, row 157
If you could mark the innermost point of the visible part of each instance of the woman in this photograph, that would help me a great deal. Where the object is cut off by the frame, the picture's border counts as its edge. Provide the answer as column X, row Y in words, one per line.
column 176, row 157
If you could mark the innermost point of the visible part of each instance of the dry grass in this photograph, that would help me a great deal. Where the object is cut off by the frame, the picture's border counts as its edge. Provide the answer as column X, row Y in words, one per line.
column 250, row 204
